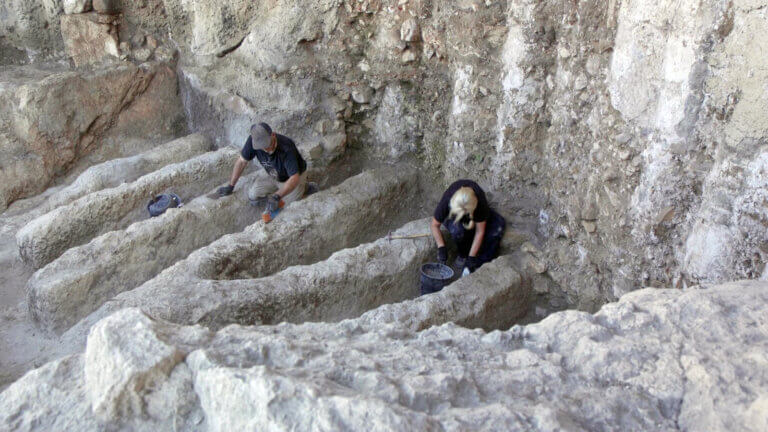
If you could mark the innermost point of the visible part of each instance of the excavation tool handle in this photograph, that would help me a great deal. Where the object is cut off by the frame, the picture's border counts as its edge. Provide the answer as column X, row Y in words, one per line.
column 268, row 217
column 390, row 237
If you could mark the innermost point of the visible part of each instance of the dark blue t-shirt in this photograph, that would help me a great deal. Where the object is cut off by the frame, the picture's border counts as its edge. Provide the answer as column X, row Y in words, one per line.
column 284, row 162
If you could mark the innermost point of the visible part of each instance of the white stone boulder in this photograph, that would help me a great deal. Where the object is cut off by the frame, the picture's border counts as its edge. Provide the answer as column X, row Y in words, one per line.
column 659, row 359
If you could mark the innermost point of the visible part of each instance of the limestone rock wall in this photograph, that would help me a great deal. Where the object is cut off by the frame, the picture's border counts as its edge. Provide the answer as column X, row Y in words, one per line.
column 629, row 138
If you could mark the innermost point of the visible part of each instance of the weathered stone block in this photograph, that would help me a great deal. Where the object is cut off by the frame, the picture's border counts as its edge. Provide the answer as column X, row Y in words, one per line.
column 89, row 38
column 57, row 117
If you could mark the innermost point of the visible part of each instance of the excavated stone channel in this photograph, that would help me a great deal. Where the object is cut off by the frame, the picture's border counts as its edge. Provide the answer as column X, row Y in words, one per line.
column 495, row 297
column 113, row 172
column 47, row 237
column 85, row 277
column 349, row 283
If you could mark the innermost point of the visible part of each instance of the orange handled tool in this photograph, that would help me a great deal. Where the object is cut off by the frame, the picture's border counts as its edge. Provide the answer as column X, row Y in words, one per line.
column 268, row 217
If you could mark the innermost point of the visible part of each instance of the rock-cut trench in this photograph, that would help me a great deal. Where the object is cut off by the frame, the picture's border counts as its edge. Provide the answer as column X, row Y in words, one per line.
column 86, row 247
column 620, row 140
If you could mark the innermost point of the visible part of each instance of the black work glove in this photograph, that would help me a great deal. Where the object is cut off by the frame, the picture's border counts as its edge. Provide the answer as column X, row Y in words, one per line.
column 226, row 190
column 273, row 203
column 472, row 264
column 442, row 255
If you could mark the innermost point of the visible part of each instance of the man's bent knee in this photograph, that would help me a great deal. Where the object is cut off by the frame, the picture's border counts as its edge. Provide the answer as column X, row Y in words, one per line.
column 298, row 192
column 260, row 190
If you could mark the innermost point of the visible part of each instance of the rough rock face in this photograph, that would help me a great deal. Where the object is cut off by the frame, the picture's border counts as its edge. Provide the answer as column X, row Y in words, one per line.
column 51, row 119
column 656, row 360
column 32, row 26
column 90, row 38
column 630, row 138
column 626, row 136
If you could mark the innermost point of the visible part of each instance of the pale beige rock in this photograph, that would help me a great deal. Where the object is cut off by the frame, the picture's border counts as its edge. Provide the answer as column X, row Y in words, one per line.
column 362, row 95
column 77, row 6
column 408, row 57
column 151, row 42
column 47, row 237
column 142, row 54
column 409, row 31
column 121, row 366
column 334, row 143
column 656, row 360
column 89, row 38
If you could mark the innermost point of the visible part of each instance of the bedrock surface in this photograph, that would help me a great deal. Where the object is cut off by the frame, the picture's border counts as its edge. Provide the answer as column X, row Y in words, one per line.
column 656, row 360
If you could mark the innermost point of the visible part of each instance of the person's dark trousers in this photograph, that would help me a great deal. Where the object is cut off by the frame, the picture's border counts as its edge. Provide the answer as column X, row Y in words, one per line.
column 489, row 250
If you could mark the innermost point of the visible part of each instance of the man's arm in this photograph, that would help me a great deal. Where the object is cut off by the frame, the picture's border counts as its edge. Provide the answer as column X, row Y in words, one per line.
column 237, row 170
column 289, row 185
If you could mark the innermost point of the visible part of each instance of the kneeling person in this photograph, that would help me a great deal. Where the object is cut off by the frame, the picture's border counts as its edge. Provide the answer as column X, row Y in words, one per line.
column 476, row 229
column 281, row 160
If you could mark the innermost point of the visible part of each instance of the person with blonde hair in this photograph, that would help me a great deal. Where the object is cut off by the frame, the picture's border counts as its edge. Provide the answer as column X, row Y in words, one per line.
column 475, row 228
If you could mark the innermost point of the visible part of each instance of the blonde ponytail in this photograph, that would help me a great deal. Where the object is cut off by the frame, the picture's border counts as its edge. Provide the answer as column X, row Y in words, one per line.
column 463, row 202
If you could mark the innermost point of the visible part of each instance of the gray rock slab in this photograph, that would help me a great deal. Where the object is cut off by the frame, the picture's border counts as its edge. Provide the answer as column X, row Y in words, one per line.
column 492, row 298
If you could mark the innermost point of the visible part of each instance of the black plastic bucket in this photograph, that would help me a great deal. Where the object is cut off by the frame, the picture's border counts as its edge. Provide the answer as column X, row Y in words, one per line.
column 159, row 204
column 434, row 277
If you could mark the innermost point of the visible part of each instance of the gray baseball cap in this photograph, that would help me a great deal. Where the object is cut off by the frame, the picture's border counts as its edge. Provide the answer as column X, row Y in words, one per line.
column 261, row 135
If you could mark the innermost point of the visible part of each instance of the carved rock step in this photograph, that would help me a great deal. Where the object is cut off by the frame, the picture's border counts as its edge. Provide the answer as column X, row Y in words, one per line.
column 113, row 172
column 57, row 117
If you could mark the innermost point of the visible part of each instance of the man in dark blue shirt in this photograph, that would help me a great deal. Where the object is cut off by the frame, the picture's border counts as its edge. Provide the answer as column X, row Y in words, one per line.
column 281, row 160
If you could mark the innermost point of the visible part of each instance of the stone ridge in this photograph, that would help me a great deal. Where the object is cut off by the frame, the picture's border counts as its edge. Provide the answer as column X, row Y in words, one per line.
column 49, row 236
column 656, row 360
column 224, row 274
